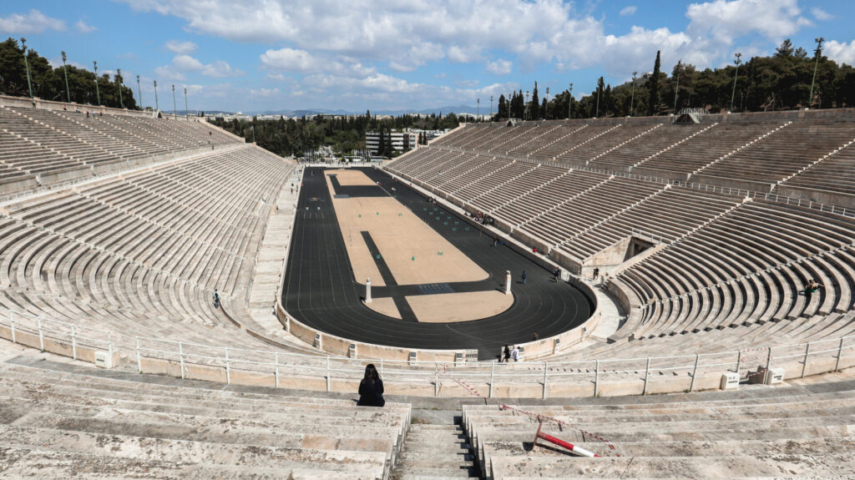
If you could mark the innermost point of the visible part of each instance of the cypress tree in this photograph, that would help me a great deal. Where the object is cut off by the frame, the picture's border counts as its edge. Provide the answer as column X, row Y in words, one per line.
column 653, row 101
column 534, row 113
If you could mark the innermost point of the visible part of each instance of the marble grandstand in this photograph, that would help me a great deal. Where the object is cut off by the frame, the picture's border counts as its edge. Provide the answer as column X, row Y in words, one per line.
column 117, row 228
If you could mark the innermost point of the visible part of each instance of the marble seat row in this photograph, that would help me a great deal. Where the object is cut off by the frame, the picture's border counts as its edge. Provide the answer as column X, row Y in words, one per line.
column 46, row 147
column 690, row 438
column 58, row 425
column 143, row 250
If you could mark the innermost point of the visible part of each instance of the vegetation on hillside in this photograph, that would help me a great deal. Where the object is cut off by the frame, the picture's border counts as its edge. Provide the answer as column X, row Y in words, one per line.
column 48, row 83
column 779, row 82
column 343, row 134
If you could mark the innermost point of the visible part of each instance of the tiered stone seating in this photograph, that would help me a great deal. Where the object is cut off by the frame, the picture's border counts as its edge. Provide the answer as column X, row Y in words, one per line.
column 467, row 134
column 548, row 134
column 727, row 436
column 494, row 198
column 488, row 166
column 574, row 137
column 680, row 162
column 582, row 153
column 143, row 253
column 745, row 267
column 496, row 179
column 557, row 191
column 582, row 212
column 655, row 217
column 64, row 425
column 656, row 141
column 764, row 164
column 835, row 173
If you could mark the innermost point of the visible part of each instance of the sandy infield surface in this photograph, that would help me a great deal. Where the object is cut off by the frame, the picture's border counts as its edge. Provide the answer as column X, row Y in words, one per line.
column 459, row 307
column 414, row 252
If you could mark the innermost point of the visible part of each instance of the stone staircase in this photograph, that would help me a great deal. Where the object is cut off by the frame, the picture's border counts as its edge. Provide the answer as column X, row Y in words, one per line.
column 435, row 452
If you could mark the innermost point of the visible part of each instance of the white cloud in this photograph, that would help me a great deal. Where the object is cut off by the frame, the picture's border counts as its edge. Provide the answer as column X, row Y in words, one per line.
column 168, row 72
column 500, row 67
column 82, row 27
column 459, row 54
column 628, row 11
column 821, row 14
column 186, row 63
column 181, row 47
column 32, row 22
column 291, row 60
column 840, row 52
column 264, row 92
column 726, row 20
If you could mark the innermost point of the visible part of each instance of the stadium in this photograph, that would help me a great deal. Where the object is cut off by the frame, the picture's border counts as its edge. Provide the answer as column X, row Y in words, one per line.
column 675, row 291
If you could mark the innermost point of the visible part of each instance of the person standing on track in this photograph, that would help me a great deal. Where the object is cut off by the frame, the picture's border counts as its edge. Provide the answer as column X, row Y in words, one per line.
column 506, row 355
column 523, row 277
column 557, row 274
column 371, row 388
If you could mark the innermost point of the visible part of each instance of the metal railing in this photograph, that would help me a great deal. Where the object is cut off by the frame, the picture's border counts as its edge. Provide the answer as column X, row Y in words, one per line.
column 646, row 370
column 20, row 323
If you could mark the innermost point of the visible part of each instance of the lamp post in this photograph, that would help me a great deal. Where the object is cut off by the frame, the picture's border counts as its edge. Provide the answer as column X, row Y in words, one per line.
column 677, row 88
column 27, row 64
column 735, row 77
column 139, row 91
column 119, row 79
column 97, row 89
column 479, row 109
column 156, row 103
column 632, row 98
column 570, row 102
column 174, row 104
column 491, row 108
column 186, row 110
column 817, row 54
column 546, row 113
column 598, row 100
column 65, row 71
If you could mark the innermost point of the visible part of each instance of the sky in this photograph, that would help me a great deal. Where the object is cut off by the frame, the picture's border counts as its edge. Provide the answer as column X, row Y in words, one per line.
column 257, row 55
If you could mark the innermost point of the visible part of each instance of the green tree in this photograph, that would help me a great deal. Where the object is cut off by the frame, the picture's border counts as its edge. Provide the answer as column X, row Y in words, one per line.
column 653, row 101
column 534, row 106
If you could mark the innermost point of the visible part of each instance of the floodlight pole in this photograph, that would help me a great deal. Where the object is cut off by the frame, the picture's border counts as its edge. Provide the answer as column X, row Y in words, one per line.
column 65, row 71
column 174, row 104
column 97, row 89
column 677, row 88
column 479, row 109
column 491, row 108
column 632, row 98
column 570, row 103
column 546, row 113
column 526, row 110
column 139, row 92
column 186, row 110
column 27, row 64
column 156, row 103
column 598, row 100
column 119, row 78
column 735, row 77
column 817, row 54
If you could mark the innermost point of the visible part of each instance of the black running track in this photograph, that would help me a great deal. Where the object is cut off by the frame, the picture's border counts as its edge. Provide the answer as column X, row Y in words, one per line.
column 321, row 291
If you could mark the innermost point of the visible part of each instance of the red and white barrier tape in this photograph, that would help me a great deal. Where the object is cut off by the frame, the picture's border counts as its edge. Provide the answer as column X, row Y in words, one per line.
column 473, row 391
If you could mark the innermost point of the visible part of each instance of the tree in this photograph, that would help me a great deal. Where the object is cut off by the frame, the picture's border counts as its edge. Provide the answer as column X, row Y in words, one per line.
column 653, row 102
column 534, row 107
column 503, row 108
column 600, row 86
column 785, row 49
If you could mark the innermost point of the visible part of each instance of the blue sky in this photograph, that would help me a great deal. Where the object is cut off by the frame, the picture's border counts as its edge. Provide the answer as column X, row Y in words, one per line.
column 386, row 54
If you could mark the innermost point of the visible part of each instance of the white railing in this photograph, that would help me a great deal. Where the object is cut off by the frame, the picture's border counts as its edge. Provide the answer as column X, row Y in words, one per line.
column 236, row 361
column 810, row 204
column 19, row 324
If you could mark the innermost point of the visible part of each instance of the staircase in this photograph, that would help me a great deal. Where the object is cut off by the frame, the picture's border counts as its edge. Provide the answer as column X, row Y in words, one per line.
column 435, row 452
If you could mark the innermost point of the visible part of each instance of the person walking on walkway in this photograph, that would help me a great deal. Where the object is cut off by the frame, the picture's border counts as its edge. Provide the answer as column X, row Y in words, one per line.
column 515, row 353
column 506, row 355
column 216, row 299
column 535, row 337
column 523, row 277
column 596, row 272
column 557, row 274
column 371, row 388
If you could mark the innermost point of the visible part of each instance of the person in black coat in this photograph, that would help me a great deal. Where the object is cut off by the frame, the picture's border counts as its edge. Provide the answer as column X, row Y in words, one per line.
column 371, row 388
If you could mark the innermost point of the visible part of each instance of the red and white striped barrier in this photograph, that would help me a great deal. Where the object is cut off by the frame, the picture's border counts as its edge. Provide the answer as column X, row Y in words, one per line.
column 561, row 443
column 473, row 391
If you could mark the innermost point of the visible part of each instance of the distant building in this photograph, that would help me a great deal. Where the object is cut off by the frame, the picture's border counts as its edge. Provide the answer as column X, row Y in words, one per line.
column 401, row 141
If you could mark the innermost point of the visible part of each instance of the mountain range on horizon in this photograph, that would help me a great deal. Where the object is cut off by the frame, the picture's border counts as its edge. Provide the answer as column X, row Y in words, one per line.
column 317, row 111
